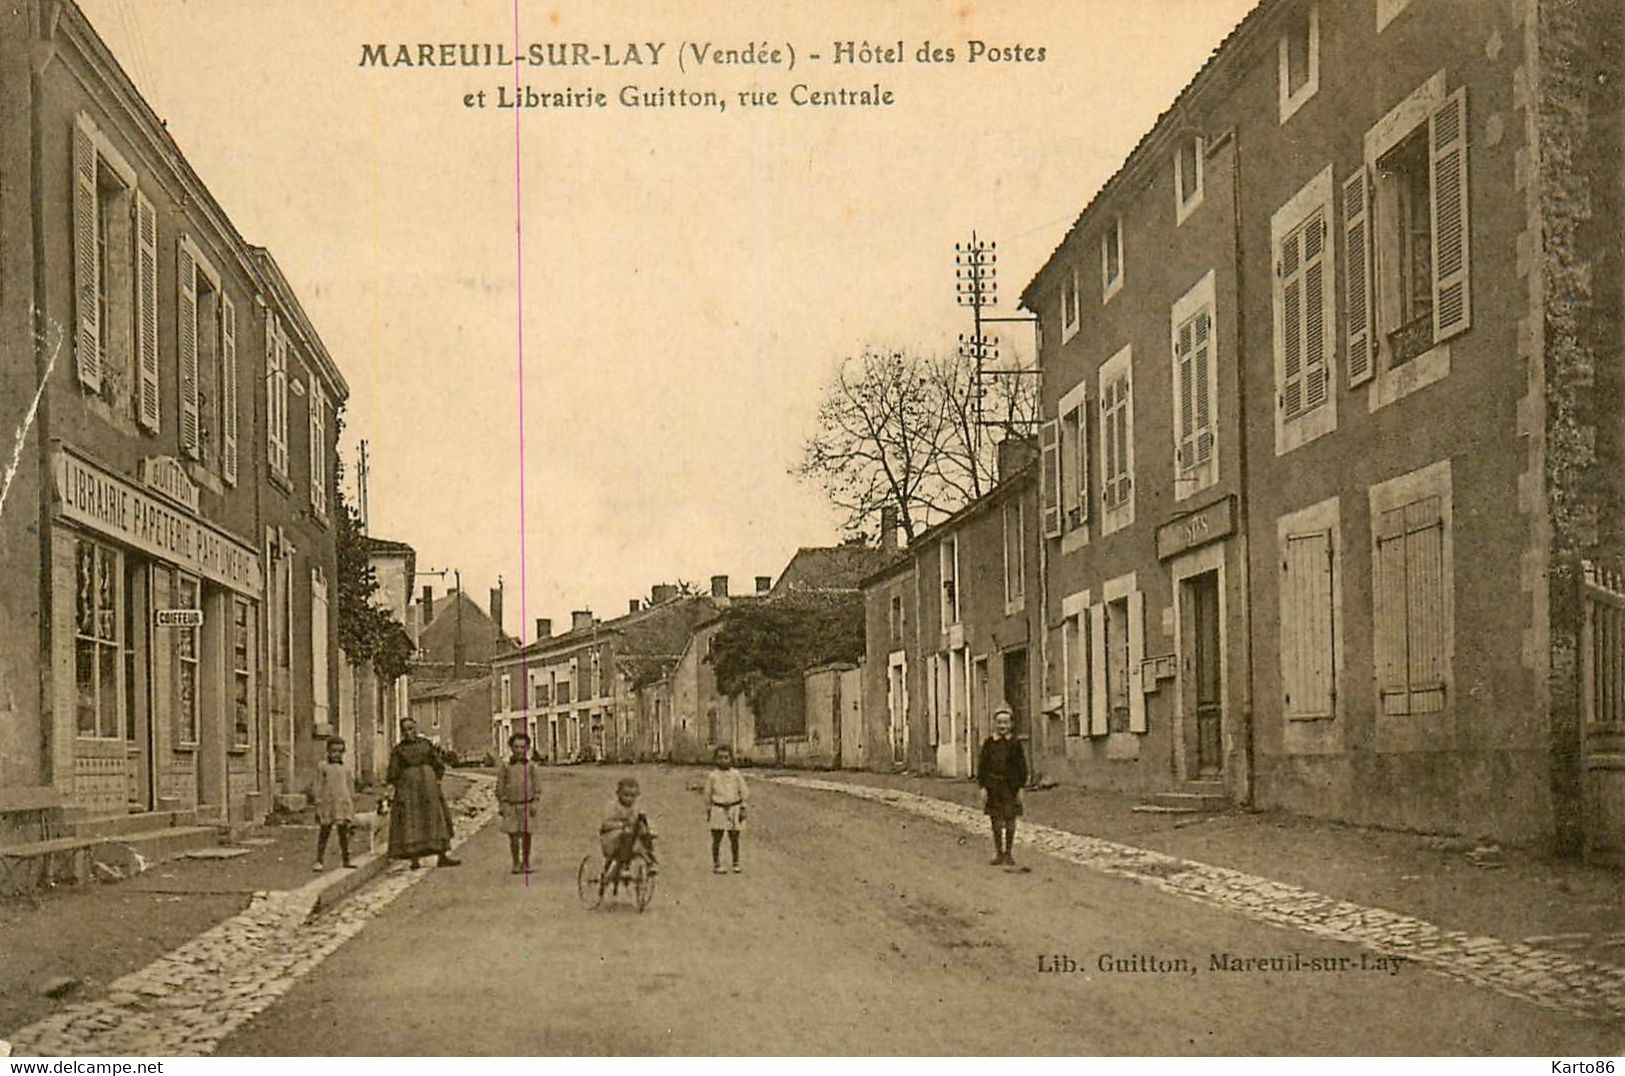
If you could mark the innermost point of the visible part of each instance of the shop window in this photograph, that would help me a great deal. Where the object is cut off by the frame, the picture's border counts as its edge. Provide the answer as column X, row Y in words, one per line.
column 188, row 660
column 97, row 646
column 242, row 675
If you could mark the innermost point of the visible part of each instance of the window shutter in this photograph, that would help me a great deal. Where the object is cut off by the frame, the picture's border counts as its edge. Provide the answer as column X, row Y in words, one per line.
column 1108, row 447
column 1357, row 277
column 86, row 259
column 1291, row 273
column 1184, row 362
column 1447, row 137
column 1125, row 436
column 1306, row 625
column 1049, row 451
column 1136, row 655
column 1201, row 363
column 314, row 396
column 1424, row 605
column 228, row 390
column 1391, row 616
column 186, row 342
column 1099, row 723
column 150, row 410
column 1081, row 464
column 1316, row 323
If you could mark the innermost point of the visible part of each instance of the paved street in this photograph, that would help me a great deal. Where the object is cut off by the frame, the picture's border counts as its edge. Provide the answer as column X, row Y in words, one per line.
column 857, row 927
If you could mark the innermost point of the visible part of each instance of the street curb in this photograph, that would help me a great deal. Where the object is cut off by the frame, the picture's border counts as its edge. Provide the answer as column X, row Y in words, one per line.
column 335, row 885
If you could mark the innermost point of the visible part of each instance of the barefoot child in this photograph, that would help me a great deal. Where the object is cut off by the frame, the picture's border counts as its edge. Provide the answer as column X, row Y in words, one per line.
column 518, row 792
column 624, row 831
column 1001, row 770
column 725, row 795
column 333, row 792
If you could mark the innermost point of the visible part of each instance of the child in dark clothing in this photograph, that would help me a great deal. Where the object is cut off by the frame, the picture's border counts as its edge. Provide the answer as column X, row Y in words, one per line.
column 1002, row 773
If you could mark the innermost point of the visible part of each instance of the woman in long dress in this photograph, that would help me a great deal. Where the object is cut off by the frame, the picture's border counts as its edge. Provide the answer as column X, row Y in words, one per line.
column 419, row 821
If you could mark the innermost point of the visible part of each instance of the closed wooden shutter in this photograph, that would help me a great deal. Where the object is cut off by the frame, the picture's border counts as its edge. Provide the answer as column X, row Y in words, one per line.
column 1201, row 373
column 228, row 390
column 1185, row 389
column 1357, row 276
column 1316, row 325
column 1308, row 682
column 1050, row 454
column 318, row 652
column 1290, row 271
column 1447, row 139
column 87, row 262
column 149, row 410
column 1136, row 658
column 1080, row 462
column 186, row 344
column 1390, row 620
column 1099, row 707
column 1424, row 605
column 1075, row 635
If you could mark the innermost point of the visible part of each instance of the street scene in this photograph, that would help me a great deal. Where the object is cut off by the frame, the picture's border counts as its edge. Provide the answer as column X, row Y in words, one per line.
column 580, row 532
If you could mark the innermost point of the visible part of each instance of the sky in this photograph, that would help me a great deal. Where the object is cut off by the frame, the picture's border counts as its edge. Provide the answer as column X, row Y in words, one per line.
column 689, row 280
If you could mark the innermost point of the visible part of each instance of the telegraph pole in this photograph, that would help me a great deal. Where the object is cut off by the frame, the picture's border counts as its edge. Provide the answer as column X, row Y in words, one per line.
column 976, row 285
column 361, row 485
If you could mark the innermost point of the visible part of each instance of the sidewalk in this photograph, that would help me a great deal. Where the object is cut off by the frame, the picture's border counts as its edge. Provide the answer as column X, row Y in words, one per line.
column 1507, row 893
column 64, row 946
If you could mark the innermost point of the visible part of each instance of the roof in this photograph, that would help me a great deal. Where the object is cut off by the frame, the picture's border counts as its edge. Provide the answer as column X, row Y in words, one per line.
column 302, row 327
column 1165, row 124
column 1013, row 483
column 386, row 545
column 653, row 630
column 446, row 689
column 838, row 567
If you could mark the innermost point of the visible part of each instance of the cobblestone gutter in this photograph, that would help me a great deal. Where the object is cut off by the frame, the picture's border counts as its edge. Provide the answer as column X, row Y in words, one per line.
column 185, row 1002
column 1551, row 980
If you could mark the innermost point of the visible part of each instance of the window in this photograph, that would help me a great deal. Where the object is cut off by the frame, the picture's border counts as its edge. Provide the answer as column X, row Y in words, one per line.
column 1073, row 458
column 596, row 679
column 562, row 696
column 1411, row 623
column 188, row 656
column 1299, row 60
column 1070, row 306
column 894, row 621
column 206, row 362
column 507, row 693
column 1196, row 386
column 1111, row 261
column 242, row 674
column 1076, row 676
column 318, row 449
column 276, row 396
column 1049, row 479
column 539, row 696
column 1117, row 647
column 1117, row 664
column 1015, row 558
column 114, row 292
column 318, row 652
column 1406, row 222
column 1187, row 176
column 948, row 561
column 1304, row 315
column 1308, row 672
column 96, row 643
column 1116, row 442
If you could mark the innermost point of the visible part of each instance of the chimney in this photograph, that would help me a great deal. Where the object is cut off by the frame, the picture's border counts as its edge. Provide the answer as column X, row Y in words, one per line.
column 544, row 628
column 764, row 583
column 428, row 604
column 662, row 593
column 496, row 606
column 633, row 605
column 888, row 527
column 1015, row 452
column 719, row 586
column 581, row 618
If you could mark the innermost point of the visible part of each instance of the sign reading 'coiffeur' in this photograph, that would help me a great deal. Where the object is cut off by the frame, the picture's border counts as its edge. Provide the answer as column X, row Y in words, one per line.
column 1200, row 527
column 179, row 618
column 103, row 502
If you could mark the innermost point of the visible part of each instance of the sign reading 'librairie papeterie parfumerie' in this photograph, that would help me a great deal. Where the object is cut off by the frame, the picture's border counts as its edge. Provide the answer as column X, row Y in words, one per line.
column 106, row 503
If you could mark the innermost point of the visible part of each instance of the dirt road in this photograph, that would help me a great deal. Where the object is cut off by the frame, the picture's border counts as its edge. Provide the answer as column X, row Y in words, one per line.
column 854, row 929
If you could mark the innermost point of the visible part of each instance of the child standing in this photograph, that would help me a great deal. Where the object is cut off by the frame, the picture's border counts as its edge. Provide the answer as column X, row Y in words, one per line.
column 333, row 791
column 518, row 793
column 624, row 830
column 1001, row 770
column 725, row 795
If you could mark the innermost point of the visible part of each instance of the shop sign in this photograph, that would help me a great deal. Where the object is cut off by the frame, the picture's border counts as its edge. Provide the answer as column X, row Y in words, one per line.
column 125, row 512
column 167, row 475
column 1200, row 527
column 180, row 618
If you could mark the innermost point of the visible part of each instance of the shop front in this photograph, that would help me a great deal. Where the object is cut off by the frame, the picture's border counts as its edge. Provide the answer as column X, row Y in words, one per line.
column 155, row 620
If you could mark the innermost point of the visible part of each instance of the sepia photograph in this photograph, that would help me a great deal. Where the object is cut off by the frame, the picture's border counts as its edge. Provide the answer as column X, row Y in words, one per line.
column 855, row 528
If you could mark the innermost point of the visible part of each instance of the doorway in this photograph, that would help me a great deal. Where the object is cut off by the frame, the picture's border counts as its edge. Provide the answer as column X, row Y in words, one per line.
column 1205, row 663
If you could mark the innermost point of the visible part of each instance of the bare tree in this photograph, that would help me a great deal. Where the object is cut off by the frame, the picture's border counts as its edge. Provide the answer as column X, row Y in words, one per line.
column 899, row 430
column 967, row 465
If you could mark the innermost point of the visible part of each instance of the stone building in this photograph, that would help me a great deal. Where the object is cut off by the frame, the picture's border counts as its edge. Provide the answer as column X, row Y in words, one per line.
column 1331, row 374
column 166, row 550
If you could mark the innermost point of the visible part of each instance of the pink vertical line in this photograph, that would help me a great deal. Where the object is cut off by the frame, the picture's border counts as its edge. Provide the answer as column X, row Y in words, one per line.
column 519, row 287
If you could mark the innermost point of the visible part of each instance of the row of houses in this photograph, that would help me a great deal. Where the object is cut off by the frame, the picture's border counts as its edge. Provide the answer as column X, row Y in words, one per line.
column 1327, row 514
column 1324, row 510
column 167, row 550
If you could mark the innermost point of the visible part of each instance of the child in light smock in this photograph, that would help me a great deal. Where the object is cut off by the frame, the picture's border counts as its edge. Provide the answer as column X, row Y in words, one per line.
column 725, row 795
